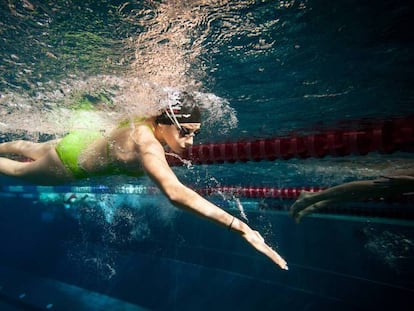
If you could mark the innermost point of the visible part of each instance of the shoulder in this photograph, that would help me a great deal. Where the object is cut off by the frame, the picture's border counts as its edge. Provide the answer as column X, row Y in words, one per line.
column 142, row 131
column 142, row 135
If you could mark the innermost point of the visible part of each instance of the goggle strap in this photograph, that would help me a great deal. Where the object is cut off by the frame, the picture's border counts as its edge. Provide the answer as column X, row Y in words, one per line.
column 172, row 116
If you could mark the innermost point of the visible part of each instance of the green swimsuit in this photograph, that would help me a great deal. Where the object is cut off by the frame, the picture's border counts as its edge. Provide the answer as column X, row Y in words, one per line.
column 71, row 146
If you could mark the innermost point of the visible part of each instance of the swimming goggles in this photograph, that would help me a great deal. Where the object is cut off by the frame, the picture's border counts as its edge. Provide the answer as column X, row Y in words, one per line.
column 186, row 132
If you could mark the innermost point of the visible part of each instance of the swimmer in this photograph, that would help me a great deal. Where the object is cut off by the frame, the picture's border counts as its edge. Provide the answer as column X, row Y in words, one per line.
column 133, row 148
column 397, row 183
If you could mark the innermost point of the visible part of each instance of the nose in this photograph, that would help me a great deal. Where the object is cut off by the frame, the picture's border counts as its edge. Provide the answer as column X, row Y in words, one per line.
column 189, row 141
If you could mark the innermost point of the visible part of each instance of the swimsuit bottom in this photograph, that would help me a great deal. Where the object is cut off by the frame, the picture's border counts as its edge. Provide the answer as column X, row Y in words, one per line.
column 71, row 146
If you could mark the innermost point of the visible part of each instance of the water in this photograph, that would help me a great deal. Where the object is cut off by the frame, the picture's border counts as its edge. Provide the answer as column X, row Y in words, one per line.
column 260, row 69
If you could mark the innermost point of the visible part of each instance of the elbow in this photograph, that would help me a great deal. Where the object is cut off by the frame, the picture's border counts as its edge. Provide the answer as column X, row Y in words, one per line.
column 176, row 194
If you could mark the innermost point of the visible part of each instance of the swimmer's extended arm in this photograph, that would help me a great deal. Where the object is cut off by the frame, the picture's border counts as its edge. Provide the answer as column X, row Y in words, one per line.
column 401, row 182
column 153, row 161
column 352, row 191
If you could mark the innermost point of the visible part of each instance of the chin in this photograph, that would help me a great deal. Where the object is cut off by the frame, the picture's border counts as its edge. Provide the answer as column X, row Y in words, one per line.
column 180, row 150
column 177, row 150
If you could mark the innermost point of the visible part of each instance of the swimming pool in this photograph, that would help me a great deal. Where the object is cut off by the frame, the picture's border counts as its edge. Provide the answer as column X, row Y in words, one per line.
column 267, row 69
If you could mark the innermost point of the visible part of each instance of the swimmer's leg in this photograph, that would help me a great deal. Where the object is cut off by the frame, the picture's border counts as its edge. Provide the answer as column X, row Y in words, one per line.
column 47, row 170
column 27, row 148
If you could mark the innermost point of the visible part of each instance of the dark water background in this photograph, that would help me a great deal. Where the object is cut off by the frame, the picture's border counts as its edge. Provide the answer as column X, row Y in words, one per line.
column 332, row 62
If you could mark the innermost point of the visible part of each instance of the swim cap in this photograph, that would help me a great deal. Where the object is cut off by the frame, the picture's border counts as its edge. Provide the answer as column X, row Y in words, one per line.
column 182, row 108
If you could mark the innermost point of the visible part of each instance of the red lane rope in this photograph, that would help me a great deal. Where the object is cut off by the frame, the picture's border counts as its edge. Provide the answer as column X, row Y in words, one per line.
column 288, row 193
column 386, row 136
column 398, row 207
column 259, row 192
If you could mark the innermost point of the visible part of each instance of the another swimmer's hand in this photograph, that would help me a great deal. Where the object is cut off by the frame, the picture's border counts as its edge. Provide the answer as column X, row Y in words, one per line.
column 311, row 209
column 298, row 209
column 256, row 240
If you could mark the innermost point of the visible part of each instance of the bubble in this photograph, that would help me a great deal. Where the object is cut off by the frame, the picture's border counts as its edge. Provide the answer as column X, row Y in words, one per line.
column 388, row 246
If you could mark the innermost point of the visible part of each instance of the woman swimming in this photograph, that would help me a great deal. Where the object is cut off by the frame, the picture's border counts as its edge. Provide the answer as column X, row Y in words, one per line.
column 133, row 149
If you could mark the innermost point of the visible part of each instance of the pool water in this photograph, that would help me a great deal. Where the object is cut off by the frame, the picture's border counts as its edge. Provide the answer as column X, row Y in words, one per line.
column 261, row 69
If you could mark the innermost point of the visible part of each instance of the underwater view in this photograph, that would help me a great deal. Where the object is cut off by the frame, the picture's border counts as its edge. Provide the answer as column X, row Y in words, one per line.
column 307, row 136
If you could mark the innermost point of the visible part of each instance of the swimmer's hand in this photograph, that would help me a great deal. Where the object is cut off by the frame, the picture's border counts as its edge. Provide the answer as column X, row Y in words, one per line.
column 256, row 240
column 307, row 203
column 303, row 206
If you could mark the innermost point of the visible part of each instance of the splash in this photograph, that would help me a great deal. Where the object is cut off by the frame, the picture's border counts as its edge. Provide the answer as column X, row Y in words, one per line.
column 187, row 163
column 113, row 98
column 241, row 208
column 231, row 198
column 174, row 46
column 218, row 115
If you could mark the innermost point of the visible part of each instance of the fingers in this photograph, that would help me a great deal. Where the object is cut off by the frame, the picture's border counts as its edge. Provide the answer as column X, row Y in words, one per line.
column 255, row 239
column 280, row 261
column 300, row 204
column 305, row 212
column 276, row 258
column 311, row 209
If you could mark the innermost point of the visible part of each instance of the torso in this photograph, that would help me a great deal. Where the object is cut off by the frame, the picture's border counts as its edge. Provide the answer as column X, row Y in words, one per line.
column 117, row 150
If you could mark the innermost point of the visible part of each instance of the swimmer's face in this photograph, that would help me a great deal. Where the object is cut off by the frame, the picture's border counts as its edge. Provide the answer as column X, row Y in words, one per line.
column 180, row 139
